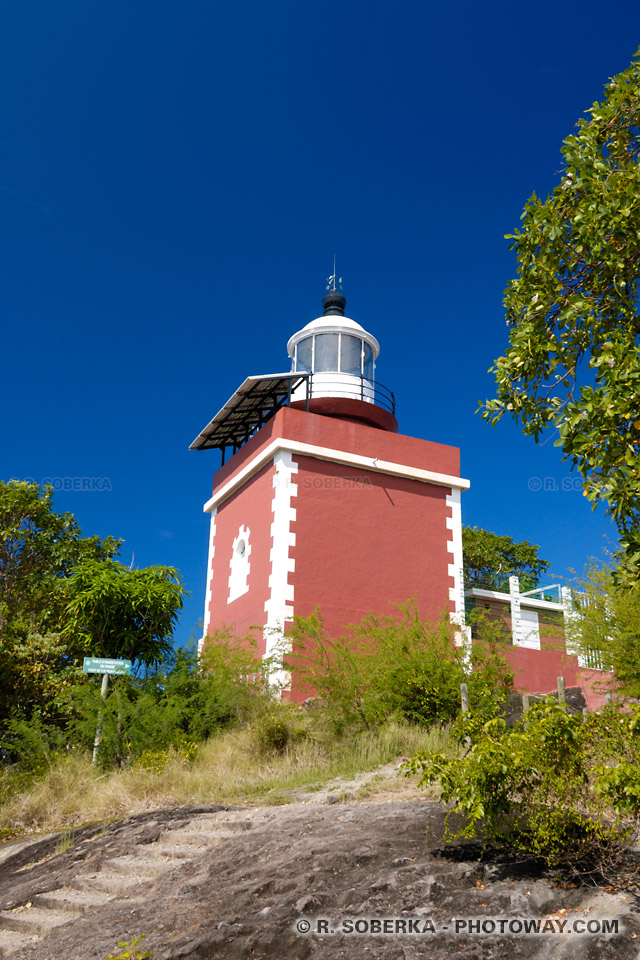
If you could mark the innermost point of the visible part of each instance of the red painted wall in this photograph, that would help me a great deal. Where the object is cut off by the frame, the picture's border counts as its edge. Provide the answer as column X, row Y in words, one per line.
column 368, row 441
column 366, row 542
column 357, row 411
column 595, row 684
column 537, row 671
column 250, row 506
column 342, row 435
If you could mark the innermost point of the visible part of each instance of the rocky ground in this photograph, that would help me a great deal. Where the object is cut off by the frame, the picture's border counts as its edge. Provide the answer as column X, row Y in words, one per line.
column 298, row 881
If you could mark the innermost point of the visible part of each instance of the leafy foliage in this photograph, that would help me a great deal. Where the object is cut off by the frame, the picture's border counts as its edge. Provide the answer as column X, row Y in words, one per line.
column 572, row 311
column 36, row 673
column 606, row 630
column 277, row 728
column 130, row 950
column 63, row 596
column 560, row 787
column 170, row 711
column 34, row 742
column 157, row 716
column 38, row 548
column 489, row 559
column 113, row 611
column 400, row 667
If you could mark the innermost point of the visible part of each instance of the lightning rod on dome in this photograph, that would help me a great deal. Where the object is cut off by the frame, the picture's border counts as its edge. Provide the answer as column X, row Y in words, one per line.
column 334, row 282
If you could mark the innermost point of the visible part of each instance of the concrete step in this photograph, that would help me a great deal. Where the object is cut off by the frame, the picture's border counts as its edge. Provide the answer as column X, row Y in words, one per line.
column 215, row 823
column 172, row 851
column 139, row 868
column 23, row 926
column 71, row 900
column 201, row 836
column 197, row 838
column 107, row 881
column 10, row 941
column 33, row 920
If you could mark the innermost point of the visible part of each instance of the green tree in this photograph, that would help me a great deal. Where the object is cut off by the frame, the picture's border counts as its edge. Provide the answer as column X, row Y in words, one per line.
column 489, row 559
column 62, row 596
column 113, row 611
column 38, row 549
column 572, row 363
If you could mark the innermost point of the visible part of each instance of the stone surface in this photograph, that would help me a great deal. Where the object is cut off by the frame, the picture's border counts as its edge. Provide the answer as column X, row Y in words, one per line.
column 242, row 897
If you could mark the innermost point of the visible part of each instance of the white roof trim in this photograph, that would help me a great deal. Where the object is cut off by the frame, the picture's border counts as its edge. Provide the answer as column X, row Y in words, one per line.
column 506, row 598
column 335, row 456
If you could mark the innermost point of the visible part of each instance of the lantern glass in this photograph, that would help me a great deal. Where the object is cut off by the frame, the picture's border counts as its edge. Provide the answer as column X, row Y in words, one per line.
column 368, row 362
column 351, row 355
column 304, row 355
column 326, row 352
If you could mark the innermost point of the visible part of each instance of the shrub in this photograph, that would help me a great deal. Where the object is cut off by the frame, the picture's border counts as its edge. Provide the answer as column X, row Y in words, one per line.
column 403, row 668
column 277, row 728
column 33, row 743
column 560, row 787
column 130, row 950
column 165, row 713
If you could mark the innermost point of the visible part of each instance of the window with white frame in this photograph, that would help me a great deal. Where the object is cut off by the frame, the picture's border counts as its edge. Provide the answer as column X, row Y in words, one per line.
column 530, row 628
column 239, row 565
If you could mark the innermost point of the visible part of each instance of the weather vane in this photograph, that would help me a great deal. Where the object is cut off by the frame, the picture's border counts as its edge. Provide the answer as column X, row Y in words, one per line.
column 334, row 282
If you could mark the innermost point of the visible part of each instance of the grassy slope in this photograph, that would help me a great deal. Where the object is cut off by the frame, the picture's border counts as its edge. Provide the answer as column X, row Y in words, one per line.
column 229, row 768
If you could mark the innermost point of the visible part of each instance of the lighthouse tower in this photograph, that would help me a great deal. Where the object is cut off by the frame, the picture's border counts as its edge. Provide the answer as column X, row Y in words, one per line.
column 322, row 502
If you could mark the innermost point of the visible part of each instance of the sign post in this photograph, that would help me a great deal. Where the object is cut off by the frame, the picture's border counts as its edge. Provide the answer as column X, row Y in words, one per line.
column 107, row 668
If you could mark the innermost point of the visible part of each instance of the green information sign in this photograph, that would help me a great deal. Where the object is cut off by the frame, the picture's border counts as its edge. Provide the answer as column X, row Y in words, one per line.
column 104, row 665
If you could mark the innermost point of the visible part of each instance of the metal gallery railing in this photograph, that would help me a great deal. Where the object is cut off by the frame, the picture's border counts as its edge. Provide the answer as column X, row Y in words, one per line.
column 327, row 383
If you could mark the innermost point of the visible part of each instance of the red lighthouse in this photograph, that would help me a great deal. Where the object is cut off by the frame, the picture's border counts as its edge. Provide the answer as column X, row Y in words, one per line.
column 323, row 503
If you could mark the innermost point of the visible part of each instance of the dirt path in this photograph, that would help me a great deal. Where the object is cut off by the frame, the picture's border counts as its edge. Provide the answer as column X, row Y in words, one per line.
column 211, row 882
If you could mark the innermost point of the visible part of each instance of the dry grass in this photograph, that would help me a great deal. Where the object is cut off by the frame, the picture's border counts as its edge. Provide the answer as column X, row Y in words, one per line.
column 227, row 769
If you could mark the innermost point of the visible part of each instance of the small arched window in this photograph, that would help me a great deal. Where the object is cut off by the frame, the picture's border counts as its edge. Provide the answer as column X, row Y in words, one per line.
column 239, row 565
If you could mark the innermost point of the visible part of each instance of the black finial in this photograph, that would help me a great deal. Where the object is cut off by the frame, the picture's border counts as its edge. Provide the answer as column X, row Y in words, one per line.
column 334, row 303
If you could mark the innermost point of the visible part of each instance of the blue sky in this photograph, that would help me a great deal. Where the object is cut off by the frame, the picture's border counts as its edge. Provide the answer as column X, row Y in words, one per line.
column 174, row 181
